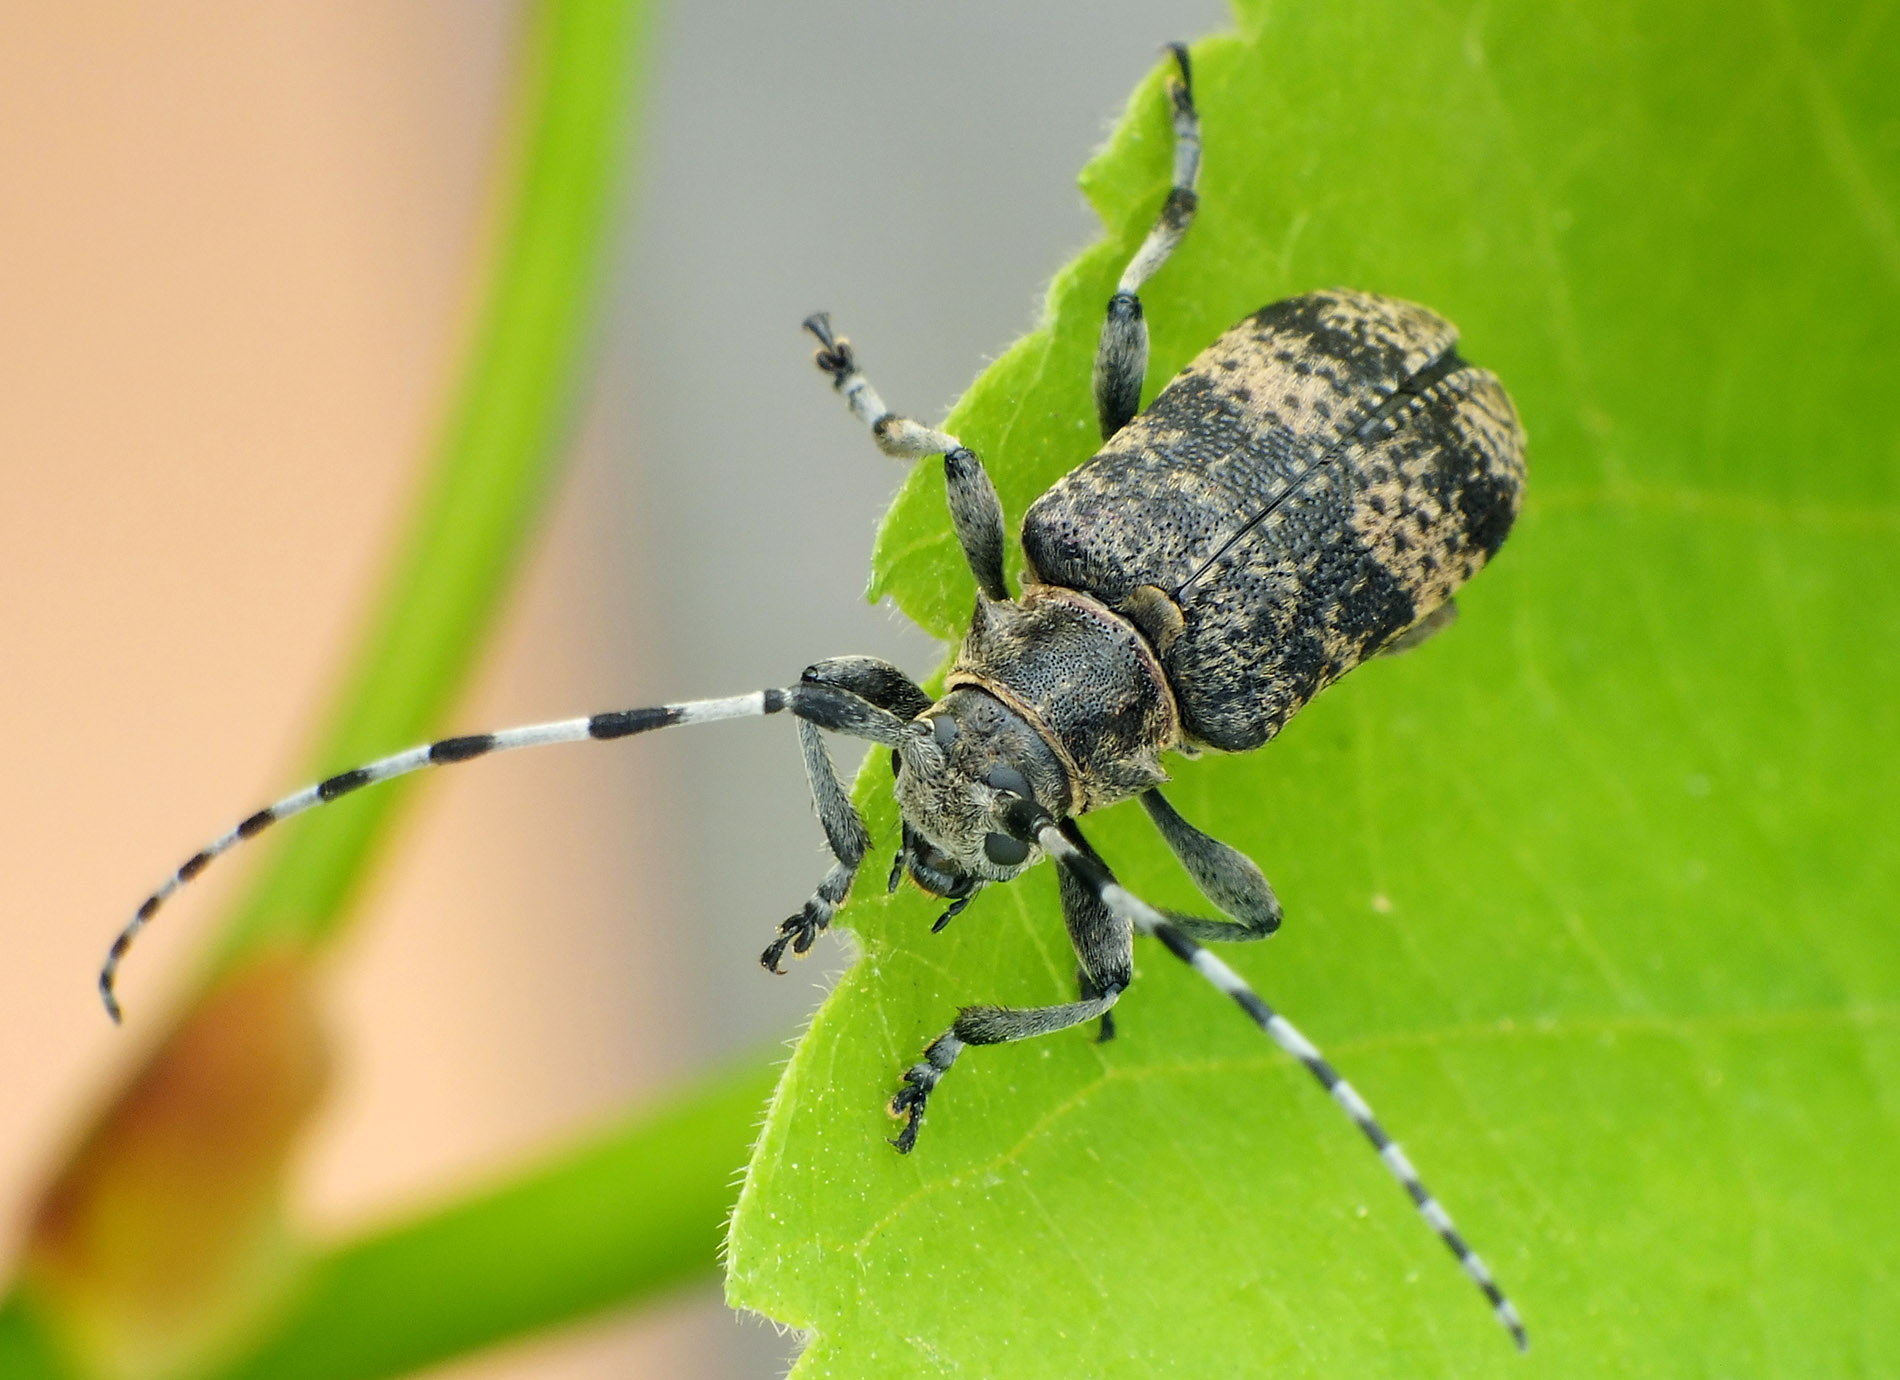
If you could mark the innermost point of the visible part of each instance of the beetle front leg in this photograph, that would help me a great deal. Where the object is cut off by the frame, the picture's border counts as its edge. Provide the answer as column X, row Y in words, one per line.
column 1104, row 946
column 1086, row 988
column 1225, row 875
column 844, row 831
column 982, row 1025
column 1103, row 943
column 886, row 688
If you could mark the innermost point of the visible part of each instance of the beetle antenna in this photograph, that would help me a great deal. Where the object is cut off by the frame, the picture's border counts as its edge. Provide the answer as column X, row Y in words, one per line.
column 1287, row 1036
column 829, row 707
column 1066, row 845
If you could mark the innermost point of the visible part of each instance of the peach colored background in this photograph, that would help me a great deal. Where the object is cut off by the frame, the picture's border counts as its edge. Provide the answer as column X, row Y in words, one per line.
column 236, row 243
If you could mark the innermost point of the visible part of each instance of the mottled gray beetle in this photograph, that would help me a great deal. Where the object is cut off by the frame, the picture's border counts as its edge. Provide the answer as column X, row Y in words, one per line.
column 1308, row 492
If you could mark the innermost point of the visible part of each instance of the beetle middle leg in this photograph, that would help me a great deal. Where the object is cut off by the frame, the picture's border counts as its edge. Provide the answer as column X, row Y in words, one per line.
column 975, row 510
column 1225, row 875
column 1121, row 359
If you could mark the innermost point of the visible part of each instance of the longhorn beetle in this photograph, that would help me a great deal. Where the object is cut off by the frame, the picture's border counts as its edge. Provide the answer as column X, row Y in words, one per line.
column 1308, row 492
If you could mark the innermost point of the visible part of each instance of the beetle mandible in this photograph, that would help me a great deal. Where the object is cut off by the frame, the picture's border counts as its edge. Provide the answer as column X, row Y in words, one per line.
column 1309, row 492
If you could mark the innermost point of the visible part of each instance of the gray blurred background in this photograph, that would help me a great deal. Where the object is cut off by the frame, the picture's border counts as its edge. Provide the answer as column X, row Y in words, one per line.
column 237, row 252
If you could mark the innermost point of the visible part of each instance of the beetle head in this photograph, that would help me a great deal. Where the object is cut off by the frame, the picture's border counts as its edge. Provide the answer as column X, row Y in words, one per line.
column 954, row 784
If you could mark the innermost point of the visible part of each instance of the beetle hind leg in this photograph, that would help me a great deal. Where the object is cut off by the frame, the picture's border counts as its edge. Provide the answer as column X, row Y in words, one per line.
column 1121, row 358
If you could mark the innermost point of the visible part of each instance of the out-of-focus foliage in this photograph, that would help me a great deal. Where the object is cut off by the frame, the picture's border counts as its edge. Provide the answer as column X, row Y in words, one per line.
column 163, row 1248
column 1592, row 896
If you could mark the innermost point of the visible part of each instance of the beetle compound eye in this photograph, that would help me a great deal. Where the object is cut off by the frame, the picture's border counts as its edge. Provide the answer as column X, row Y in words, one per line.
column 897, row 762
column 944, row 729
column 1005, row 851
column 1011, row 780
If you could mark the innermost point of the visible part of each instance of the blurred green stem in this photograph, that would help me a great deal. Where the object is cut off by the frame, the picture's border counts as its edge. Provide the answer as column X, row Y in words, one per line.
column 500, row 448
column 619, row 1217
column 614, row 1220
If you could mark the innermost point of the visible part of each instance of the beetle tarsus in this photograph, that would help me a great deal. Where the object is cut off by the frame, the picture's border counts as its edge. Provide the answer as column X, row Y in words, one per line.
column 769, row 960
column 908, row 1103
column 919, row 1081
column 799, row 932
column 834, row 355
column 1183, row 90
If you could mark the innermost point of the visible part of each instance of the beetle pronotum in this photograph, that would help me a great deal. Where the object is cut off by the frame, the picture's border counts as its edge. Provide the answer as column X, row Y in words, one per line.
column 1308, row 492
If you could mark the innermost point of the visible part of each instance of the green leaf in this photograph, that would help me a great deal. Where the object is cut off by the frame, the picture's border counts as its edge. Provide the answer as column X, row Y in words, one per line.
column 1591, row 896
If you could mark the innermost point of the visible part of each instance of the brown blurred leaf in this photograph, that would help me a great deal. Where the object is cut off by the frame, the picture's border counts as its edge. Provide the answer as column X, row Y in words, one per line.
column 163, row 1240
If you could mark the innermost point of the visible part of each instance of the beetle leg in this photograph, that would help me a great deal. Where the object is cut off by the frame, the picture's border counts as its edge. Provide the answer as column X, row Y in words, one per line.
column 1103, row 943
column 1121, row 359
column 975, row 510
column 1085, row 986
column 1424, row 630
column 1104, row 950
column 844, row 831
column 1226, row 876
column 885, row 688
column 982, row 1025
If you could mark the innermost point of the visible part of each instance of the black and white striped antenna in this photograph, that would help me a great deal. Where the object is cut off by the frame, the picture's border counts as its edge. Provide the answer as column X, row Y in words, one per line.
column 813, row 701
column 1069, row 850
